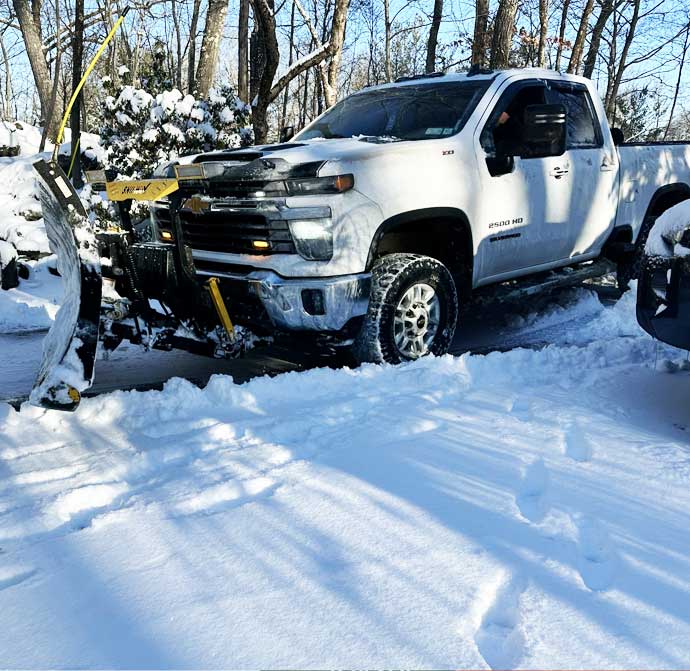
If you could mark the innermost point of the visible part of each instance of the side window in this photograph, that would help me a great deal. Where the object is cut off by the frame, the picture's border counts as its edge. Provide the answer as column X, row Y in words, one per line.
column 583, row 131
column 503, row 133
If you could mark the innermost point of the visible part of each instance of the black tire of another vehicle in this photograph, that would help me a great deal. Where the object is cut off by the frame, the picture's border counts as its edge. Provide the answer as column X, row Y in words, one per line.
column 629, row 269
column 395, row 277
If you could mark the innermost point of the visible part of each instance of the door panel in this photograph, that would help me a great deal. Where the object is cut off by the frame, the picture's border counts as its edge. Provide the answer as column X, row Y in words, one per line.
column 522, row 213
column 594, row 174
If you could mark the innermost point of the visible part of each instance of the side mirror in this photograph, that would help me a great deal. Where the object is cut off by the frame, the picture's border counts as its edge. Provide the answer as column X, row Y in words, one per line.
column 617, row 135
column 500, row 165
column 544, row 130
column 286, row 133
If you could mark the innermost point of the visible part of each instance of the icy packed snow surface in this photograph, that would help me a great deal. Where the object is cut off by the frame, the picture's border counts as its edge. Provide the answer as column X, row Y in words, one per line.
column 526, row 509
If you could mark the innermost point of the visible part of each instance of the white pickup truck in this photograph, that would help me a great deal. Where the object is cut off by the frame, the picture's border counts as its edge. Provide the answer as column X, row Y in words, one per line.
column 378, row 220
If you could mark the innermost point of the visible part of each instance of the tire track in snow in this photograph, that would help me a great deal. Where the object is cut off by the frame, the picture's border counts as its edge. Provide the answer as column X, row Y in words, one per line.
column 12, row 577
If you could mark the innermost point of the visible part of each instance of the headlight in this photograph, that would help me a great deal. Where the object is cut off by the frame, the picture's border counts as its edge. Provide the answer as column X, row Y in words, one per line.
column 333, row 184
column 313, row 238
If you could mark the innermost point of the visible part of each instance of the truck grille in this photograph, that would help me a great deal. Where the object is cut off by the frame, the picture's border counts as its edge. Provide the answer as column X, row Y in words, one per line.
column 231, row 232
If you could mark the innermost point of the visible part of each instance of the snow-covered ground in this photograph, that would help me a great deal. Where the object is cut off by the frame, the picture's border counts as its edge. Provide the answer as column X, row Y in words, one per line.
column 526, row 508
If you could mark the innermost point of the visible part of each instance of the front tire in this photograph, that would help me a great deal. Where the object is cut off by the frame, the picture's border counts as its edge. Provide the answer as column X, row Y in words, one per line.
column 413, row 310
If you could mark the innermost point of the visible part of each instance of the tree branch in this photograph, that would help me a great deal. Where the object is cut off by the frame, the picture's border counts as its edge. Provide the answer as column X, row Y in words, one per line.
column 298, row 67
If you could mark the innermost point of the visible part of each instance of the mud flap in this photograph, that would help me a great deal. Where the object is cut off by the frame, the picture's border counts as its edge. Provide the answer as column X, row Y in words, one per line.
column 69, row 350
column 663, row 300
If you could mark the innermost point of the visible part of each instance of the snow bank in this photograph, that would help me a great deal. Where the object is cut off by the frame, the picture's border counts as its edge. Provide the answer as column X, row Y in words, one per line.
column 26, row 136
column 523, row 509
column 7, row 253
column 21, row 222
column 665, row 234
column 33, row 305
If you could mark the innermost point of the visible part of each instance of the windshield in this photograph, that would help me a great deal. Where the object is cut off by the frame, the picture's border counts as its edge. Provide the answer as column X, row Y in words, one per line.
column 413, row 112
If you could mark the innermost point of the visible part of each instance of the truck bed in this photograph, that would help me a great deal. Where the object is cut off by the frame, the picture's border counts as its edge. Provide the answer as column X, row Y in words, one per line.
column 645, row 167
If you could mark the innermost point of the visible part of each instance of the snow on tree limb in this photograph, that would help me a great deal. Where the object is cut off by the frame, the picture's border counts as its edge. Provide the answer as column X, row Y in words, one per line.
column 314, row 58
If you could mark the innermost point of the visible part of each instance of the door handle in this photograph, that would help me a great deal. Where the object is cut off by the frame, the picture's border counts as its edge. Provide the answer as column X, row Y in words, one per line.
column 559, row 170
column 606, row 165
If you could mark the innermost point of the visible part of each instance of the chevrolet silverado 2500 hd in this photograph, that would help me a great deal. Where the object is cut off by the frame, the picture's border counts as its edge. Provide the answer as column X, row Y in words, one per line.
column 371, row 227
column 397, row 202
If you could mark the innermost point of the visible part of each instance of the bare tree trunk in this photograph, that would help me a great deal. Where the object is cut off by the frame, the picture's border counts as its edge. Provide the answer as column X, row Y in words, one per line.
column 243, row 51
column 595, row 39
column 504, row 27
column 31, row 31
column 53, row 113
column 283, row 115
column 387, row 40
column 680, row 77
column 7, row 107
column 561, row 34
column 178, row 45
column 135, row 57
column 611, row 63
column 265, row 58
column 336, row 43
column 303, row 112
column 479, row 45
column 611, row 102
column 266, row 55
column 579, row 45
column 433, row 36
column 191, row 56
column 77, row 63
column 210, row 45
column 543, row 30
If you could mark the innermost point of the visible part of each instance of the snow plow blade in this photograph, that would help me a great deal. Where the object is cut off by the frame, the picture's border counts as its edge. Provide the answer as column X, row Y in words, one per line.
column 69, row 350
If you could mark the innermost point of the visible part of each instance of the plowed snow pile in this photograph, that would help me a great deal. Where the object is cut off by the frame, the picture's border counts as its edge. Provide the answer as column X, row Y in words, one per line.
column 527, row 509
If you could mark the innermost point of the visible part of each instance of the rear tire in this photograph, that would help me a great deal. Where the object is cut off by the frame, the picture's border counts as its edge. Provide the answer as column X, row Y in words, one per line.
column 413, row 310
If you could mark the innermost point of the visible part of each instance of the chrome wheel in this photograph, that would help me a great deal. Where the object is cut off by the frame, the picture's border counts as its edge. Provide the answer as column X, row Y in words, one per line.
column 417, row 317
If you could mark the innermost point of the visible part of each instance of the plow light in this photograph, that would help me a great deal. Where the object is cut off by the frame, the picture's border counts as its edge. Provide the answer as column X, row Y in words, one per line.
column 193, row 171
column 166, row 235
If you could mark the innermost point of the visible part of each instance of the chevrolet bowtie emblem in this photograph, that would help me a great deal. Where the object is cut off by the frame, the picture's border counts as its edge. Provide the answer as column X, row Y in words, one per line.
column 196, row 204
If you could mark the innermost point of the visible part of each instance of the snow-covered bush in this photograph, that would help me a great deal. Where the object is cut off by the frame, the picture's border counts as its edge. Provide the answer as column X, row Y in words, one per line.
column 142, row 128
column 145, row 125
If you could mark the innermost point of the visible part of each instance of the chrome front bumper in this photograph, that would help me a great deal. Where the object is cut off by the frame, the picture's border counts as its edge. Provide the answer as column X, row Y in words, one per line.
column 341, row 298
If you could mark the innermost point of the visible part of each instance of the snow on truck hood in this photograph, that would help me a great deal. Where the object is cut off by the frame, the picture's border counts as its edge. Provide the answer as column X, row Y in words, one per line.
column 345, row 149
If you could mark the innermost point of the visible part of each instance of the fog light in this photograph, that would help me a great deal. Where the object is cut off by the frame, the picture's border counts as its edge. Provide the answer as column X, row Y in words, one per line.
column 312, row 300
column 260, row 244
column 166, row 235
